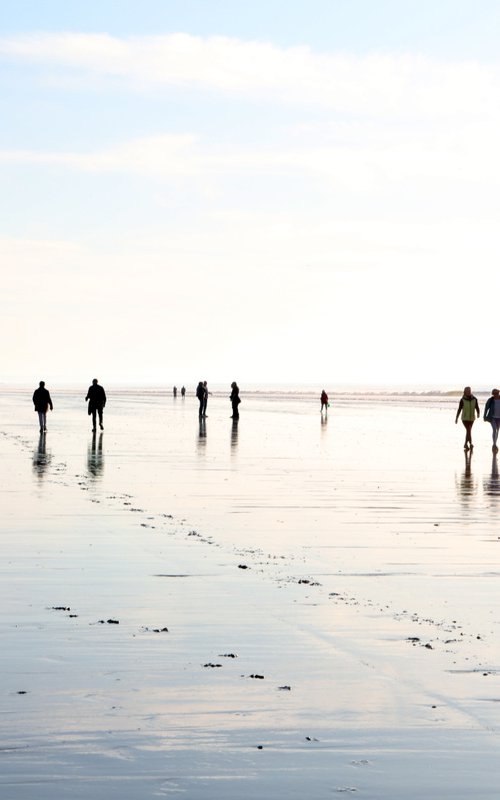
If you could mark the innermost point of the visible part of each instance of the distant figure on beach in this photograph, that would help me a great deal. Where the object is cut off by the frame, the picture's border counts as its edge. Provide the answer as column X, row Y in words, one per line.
column 492, row 415
column 97, row 400
column 205, row 398
column 175, row 391
column 183, row 391
column 42, row 402
column 324, row 401
column 200, row 394
column 235, row 400
column 470, row 408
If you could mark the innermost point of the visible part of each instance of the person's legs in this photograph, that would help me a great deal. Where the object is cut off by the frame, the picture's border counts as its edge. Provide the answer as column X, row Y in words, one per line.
column 99, row 411
column 236, row 413
column 94, row 419
column 42, row 418
column 468, row 434
column 200, row 412
column 495, row 426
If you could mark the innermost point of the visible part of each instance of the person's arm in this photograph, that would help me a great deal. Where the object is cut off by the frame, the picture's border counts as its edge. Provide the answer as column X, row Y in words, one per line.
column 477, row 409
column 486, row 409
column 103, row 398
column 50, row 402
column 460, row 406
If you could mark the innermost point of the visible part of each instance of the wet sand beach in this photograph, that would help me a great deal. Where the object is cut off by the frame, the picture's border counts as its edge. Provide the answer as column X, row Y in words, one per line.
column 285, row 607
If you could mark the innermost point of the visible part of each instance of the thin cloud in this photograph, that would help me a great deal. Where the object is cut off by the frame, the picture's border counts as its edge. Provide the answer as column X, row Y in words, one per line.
column 376, row 83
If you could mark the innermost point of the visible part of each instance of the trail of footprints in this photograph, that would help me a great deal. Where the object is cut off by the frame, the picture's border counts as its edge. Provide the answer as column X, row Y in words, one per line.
column 450, row 634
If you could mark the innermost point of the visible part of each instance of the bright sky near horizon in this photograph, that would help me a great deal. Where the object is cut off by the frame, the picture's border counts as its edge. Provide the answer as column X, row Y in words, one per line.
column 267, row 191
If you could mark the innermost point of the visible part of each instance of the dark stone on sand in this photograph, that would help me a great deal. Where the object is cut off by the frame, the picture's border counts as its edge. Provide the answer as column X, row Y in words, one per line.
column 260, row 677
column 285, row 688
column 413, row 639
column 212, row 665
column 304, row 580
column 160, row 630
column 428, row 646
column 109, row 621
column 22, row 691
column 61, row 608
column 242, row 566
column 260, row 747
column 72, row 616
column 228, row 655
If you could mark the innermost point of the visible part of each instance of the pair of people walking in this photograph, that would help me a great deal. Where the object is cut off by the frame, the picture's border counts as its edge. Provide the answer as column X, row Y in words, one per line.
column 96, row 397
column 468, row 408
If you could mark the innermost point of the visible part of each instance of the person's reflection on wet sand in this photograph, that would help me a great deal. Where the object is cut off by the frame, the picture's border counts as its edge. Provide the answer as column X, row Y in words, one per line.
column 324, row 421
column 491, row 485
column 234, row 432
column 95, row 457
column 202, row 433
column 41, row 459
column 466, row 486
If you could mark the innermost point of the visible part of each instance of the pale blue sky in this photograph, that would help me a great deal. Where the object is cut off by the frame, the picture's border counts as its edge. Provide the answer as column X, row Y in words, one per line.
column 267, row 191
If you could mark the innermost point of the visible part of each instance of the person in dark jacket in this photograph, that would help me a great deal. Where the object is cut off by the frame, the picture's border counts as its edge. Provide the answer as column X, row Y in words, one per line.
column 97, row 400
column 200, row 394
column 235, row 400
column 492, row 415
column 324, row 401
column 42, row 402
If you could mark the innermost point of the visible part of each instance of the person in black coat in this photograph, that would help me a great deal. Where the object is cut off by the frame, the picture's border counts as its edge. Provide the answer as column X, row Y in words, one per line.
column 235, row 400
column 97, row 400
column 42, row 402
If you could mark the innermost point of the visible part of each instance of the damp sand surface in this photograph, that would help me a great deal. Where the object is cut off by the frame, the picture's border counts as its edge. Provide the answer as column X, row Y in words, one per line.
column 285, row 607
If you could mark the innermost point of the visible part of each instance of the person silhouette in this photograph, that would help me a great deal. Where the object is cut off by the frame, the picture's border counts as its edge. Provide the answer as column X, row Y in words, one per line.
column 97, row 400
column 492, row 415
column 469, row 407
column 324, row 401
column 42, row 402
column 235, row 400
column 200, row 394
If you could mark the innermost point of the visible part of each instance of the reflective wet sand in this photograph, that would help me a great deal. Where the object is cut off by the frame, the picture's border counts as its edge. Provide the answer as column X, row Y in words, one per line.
column 329, row 589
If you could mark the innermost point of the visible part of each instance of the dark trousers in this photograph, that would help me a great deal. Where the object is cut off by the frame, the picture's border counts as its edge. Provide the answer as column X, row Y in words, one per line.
column 96, row 411
column 236, row 413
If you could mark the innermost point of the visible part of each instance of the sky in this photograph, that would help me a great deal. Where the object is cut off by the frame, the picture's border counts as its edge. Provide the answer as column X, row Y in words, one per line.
column 274, row 191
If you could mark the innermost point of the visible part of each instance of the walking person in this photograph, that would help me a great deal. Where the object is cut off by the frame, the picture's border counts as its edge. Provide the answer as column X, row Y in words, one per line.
column 235, row 400
column 97, row 400
column 492, row 415
column 324, row 401
column 469, row 408
column 42, row 402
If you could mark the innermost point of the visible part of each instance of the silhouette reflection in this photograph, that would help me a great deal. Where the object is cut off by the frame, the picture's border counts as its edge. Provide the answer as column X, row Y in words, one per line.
column 95, row 457
column 492, row 484
column 202, row 433
column 466, row 486
column 41, row 459
column 234, row 433
column 324, row 421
